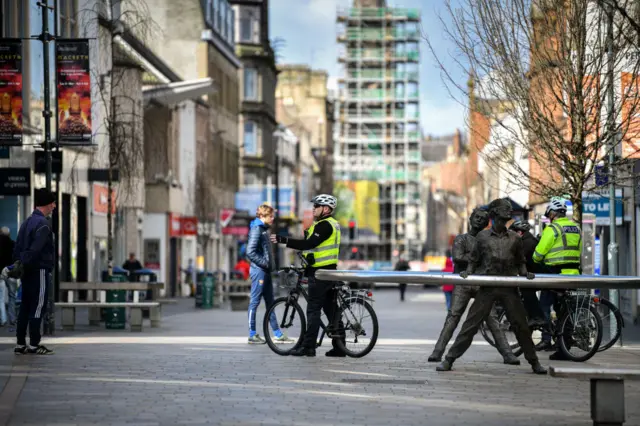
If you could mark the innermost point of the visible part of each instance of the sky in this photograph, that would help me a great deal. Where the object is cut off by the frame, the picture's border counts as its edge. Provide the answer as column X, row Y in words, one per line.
column 309, row 27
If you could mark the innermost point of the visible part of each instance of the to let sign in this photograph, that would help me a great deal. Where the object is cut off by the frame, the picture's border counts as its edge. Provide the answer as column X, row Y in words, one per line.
column 599, row 206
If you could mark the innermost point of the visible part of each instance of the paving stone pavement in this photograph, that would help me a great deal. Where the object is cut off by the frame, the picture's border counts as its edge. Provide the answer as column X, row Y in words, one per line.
column 197, row 369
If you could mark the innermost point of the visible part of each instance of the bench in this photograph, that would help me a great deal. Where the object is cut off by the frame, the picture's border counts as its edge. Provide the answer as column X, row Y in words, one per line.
column 239, row 294
column 100, row 289
column 607, row 390
column 69, row 312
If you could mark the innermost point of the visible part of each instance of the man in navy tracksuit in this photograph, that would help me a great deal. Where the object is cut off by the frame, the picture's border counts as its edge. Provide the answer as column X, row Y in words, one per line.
column 34, row 249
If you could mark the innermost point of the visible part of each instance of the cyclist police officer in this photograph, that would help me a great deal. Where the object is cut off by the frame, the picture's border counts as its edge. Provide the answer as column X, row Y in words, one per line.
column 320, row 248
column 559, row 249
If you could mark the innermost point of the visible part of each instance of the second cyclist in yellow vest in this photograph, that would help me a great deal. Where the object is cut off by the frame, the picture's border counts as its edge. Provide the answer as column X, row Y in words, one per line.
column 320, row 248
column 559, row 250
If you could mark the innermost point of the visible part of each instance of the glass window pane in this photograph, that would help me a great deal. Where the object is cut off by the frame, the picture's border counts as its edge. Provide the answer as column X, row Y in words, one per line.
column 250, row 145
column 250, row 83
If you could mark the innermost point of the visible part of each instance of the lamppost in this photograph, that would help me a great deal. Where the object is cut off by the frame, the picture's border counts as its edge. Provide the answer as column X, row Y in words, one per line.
column 613, row 246
column 278, row 135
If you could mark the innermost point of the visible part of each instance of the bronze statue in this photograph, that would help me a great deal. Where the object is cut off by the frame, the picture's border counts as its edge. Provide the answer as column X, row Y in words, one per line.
column 464, row 252
column 500, row 252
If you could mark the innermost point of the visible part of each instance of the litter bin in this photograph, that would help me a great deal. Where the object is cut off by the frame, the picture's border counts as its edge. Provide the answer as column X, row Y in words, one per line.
column 115, row 318
column 205, row 289
column 144, row 275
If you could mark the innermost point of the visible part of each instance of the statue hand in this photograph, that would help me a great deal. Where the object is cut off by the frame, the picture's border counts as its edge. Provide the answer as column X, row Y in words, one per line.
column 530, row 275
column 464, row 274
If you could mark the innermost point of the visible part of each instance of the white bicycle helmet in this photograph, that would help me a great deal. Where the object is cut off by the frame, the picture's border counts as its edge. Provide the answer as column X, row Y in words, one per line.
column 325, row 200
column 556, row 205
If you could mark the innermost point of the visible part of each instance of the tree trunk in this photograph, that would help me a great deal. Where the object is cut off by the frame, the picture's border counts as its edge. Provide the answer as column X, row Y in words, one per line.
column 111, row 160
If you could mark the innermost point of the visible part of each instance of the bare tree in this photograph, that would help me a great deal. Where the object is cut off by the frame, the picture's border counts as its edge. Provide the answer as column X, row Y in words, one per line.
column 118, row 84
column 206, row 195
column 541, row 65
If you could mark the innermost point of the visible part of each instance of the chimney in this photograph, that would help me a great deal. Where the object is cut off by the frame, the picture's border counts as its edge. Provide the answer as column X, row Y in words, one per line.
column 457, row 144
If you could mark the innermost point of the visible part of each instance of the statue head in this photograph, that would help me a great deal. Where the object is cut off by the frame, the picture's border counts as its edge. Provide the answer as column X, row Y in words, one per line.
column 479, row 219
column 500, row 209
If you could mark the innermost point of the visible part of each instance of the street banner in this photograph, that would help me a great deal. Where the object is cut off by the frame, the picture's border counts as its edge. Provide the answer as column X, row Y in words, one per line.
column 10, row 92
column 74, row 92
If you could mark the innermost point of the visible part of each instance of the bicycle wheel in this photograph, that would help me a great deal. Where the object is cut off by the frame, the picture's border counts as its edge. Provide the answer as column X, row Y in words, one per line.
column 357, row 340
column 291, row 321
column 580, row 329
column 505, row 326
column 610, row 316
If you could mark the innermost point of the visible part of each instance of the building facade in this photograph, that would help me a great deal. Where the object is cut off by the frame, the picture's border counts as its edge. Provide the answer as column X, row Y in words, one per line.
column 257, row 94
column 200, row 48
column 378, row 135
column 303, row 105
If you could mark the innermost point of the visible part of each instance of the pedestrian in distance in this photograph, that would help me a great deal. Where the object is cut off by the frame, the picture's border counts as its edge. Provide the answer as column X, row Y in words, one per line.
column 8, row 285
column 447, row 289
column 35, row 253
column 402, row 266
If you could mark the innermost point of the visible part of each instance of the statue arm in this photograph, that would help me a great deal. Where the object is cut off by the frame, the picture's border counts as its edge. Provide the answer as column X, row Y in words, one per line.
column 458, row 251
column 472, row 256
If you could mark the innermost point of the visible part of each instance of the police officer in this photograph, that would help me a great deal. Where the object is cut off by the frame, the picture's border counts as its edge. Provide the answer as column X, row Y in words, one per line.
column 320, row 248
column 559, row 250
column 34, row 252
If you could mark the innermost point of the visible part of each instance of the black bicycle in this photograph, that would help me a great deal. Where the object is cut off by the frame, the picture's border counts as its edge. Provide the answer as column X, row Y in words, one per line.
column 612, row 322
column 578, row 327
column 347, row 325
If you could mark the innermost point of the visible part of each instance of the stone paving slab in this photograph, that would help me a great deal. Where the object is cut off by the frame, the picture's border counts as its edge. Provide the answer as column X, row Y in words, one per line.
column 197, row 369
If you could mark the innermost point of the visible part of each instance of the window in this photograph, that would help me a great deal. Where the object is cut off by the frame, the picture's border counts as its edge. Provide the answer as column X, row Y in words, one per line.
column 250, row 138
column 249, row 25
column 250, row 84
column 214, row 15
column 251, row 178
column 12, row 16
column 230, row 19
column 222, row 11
column 116, row 9
column 68, row 10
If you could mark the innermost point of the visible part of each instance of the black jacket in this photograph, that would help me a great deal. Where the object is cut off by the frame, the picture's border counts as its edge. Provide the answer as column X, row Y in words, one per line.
column 34, row 245
column 530, row 242
column 6, row 251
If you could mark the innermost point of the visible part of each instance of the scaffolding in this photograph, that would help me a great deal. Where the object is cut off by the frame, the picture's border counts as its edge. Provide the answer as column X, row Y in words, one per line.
column 378, row 136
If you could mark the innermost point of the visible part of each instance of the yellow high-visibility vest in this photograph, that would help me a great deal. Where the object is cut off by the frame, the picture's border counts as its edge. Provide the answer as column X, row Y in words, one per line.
column 328, row 251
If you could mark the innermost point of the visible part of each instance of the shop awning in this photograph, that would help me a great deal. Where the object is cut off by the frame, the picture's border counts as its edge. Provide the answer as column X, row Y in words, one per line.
column 174, row 93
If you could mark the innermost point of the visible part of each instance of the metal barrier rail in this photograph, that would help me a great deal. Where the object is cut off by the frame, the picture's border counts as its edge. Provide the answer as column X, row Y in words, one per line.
column 438, row 278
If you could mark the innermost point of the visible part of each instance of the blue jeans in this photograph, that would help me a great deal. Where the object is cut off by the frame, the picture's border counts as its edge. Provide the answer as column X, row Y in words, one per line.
column 261, row 287
column 447, row 299
column 3, row 299
column 10, row 298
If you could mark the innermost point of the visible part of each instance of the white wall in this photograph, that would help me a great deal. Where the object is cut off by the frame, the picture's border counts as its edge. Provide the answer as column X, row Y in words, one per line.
column 155, row 227
column 508, row 134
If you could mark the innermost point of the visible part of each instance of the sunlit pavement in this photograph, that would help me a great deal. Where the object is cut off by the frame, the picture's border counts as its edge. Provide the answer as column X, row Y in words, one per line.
column 198, row 369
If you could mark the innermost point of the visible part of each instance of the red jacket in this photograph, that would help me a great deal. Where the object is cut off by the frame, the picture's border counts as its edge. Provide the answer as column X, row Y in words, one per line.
column 243, row 266
column 448, row 267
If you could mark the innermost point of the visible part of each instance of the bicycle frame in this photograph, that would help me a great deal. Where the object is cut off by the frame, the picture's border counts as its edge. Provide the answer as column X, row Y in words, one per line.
column 343, row 297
